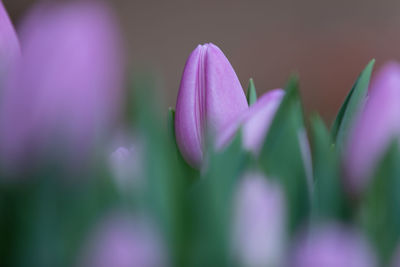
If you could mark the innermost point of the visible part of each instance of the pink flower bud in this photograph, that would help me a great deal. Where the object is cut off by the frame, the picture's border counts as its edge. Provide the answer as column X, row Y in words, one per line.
column 259, row 223
column 210, row 97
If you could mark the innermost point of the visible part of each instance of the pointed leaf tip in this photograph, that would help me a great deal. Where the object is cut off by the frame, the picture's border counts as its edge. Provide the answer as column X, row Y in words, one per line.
column 251, row 93
column 351, row 105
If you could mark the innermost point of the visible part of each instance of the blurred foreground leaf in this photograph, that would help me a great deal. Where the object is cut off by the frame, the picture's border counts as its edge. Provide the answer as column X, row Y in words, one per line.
column 211, row 200
column 281, row 157
column 381, row 205
column 51, row 214
column 329, row 200
column 166, row 175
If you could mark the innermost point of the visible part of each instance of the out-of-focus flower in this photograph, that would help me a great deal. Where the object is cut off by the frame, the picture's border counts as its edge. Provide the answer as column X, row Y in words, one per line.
column 121, row 161
column 255, row 122
column 376, row 126
column 395, row 262
column 66, row 88
column 124, row 241
column 332, row 246
column 126, row 165
column 259, row 231
column 210, row 97
column 9, row 44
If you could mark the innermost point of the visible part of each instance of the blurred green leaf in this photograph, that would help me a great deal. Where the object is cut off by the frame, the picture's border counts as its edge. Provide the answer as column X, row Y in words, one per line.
column 212, row 206
column 52, row 214
column 351, row 106
column 191, row 172
column 329, row 202
column 251, row 93
column 381, row 205
column 167, row 176
column 281, row 155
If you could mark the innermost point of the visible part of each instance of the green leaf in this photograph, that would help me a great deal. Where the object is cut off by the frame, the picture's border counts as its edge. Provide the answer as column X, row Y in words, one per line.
column 351, row 106
column 191, row 172
column 380, row 206
column 251, row 93
column 281, row 155
column 212, row 205
column 166, row 176
column 171, row 122
column 328, row 201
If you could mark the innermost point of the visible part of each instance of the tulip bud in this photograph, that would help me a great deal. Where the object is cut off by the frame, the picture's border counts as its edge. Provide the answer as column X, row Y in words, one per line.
column 66, row 88
column 123, row 241
column 210, row 97
column 332, row 246
column 9, row 44
column 259, row 222
column 377, row 125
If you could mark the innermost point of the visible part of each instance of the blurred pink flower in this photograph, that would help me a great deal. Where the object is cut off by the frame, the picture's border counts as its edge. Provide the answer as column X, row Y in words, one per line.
column 259, row 232
column 332, row 246
column 127, row 168
column 395, row 262
column 122, row 240
column 65, row 91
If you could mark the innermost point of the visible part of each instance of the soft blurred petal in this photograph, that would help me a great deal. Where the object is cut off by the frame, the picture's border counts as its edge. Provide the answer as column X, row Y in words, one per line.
column 66, row 89
column 259, row 222
column 126, row 165
column 122, row 240
column 332, row 246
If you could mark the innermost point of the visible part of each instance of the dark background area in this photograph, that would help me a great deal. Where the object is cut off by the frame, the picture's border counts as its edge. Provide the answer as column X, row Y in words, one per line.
column 326, row 42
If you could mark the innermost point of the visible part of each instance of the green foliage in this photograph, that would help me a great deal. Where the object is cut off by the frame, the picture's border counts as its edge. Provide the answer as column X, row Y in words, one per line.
column 251, row 94
column 351, row 106
column 380, row 206
column 49, row 217
column 281, row 156
column 46, row 218
column 212, row 205
column 167, row 176
column 329, row 201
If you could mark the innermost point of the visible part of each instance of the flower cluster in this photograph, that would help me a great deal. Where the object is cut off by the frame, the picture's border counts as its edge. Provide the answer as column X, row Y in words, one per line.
column 91, row 176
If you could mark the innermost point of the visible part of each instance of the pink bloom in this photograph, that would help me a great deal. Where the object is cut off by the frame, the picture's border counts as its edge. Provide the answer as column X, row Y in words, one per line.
column 332, row 246
column 66, row 88
column 259, row 222
column 210, row 97
column 124, row 241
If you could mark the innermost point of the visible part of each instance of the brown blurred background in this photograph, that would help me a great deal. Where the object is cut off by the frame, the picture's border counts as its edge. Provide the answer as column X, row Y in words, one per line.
column 327, row 42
